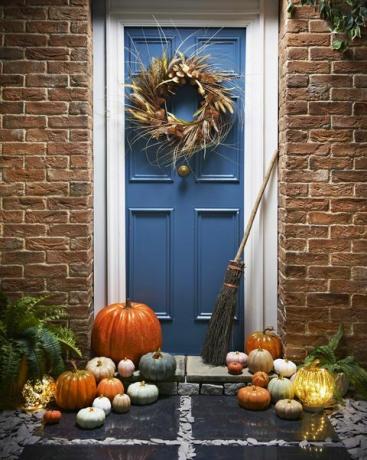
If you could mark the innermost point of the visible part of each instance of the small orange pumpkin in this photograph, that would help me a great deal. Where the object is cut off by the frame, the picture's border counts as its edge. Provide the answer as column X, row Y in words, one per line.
column 253, row 397
column 75, row 389
column 267, row 340
column 260, row 379
column 235, row 368
column 50, row 417
column 110, row 387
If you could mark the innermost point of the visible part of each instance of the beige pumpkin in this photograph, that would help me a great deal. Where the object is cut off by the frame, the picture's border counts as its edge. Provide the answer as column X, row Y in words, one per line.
column 289, row 409
column 121, row 403
column 260, row 360
column 101, row 367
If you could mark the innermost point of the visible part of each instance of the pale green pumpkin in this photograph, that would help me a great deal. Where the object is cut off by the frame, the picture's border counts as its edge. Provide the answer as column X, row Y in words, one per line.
column 142, row 393
column 157, row 366
column 280, row 388
column 90, row 417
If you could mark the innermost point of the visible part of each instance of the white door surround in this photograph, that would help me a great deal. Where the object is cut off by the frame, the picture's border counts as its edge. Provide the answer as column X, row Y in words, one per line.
column 261, row 137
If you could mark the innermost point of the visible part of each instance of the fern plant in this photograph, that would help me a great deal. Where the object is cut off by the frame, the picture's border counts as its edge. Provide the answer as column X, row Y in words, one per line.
column 347, row 17
column 326, row 355
column 31, row 343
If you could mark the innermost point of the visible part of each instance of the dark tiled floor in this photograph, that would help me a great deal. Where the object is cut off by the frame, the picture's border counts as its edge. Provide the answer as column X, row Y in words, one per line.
column 159, row 420
column 100, row 453
column 222, row 418
column 269, row 453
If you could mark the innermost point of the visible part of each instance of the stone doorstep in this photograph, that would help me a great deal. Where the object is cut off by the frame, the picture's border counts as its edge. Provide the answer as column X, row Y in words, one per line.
column 194, row 377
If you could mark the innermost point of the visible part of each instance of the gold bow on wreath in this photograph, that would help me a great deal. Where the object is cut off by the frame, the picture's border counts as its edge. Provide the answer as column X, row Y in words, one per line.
column 147, row 106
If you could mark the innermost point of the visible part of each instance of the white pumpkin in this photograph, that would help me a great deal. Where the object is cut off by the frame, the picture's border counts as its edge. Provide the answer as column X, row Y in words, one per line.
column 142, row 393
column 280, row 388
column 101, row 367
column 288, row 409
column 285, row 367
column 236, row 357
column 260, row 360
column 103, row 403
column 126, row 368
column 121, row 403
column 90, row 417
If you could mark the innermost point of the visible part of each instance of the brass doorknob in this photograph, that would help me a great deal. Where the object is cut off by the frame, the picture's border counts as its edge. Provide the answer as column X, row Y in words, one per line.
column 183, row 170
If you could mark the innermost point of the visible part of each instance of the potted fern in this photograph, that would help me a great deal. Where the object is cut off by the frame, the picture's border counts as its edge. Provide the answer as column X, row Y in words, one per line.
column 31, row 343
column 346, row 370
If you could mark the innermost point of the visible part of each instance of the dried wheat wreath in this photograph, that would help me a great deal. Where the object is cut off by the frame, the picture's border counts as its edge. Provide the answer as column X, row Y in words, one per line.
column 153, row 86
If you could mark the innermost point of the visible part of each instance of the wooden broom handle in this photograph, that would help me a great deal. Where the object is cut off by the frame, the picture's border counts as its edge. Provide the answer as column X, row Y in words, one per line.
column 256, row 207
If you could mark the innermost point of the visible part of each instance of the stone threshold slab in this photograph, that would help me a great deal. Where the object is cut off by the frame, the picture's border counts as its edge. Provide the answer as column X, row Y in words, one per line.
column 197, row 372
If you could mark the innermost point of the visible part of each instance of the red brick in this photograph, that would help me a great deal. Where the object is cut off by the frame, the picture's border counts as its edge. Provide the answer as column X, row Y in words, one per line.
column 46, row 135
column 308, row 67
column 47, row 53
column 11, row 135
column 47, row 189
column 11, row 53
column 23, row 202
column 350, row 67
column 68, row 94
column 43, row 244
column 329, row 107
column 46, row 217
column 68, row 40
column 72, row 230
column 23, row 257
column 307, row 39
column 25, row 13
column 349, row 176
column 45, row 271
column 25, row 40
column 332, row 81
column 27, row 94
column 338, row 190
column 75, row 121
column 348, row 204
column 11, row 107
column 331, row 135
column 329, row 272
column 328, row 300
column 47, row 26
column 24, row 230
column 47, row 80
column 12, row 121
column 360, row 246
column 349, row 259
column 18, row 67
column 44, row 108
column 68, row 13
column 348, row 286
column 11, row 26
column 20, row 148
column 349, row 94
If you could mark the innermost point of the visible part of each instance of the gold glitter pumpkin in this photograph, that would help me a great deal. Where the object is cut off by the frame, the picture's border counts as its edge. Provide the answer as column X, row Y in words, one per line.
column 38, row 393
column 314, row 386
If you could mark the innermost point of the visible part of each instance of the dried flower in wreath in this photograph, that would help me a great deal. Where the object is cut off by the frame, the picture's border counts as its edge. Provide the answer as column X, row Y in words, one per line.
column 153, row 86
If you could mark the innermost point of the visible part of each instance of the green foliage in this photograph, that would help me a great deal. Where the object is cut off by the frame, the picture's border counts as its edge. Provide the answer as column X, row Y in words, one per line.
column 347, row 17
column 326, row 354
column 29, row 331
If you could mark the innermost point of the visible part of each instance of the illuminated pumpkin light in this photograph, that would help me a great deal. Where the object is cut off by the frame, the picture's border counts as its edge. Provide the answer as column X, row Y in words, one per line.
column 38, row 393
column 314, row 386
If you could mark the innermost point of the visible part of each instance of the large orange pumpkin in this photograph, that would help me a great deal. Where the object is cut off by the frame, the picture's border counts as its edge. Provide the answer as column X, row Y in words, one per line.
column 75, row 389
column 267, row 340
column 126, row 331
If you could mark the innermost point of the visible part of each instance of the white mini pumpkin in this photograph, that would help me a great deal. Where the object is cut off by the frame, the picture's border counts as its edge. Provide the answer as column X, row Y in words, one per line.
column 126, row 368
column 236, row 357
column 121, row 403
column 101, row 367
column 289, row 409
column 142, row 393
column 103, row 403
column 90, row 417
column 285, row 367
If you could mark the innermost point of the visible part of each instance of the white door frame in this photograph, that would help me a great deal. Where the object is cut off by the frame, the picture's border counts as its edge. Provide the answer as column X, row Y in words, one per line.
column 261, row 138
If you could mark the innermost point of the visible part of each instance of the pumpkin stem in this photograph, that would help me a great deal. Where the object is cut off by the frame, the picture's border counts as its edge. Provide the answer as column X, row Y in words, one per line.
column 142, row 383
column 128, row 303
column 157, row 354
column 268, row 329
column 73, row 363
column 99, row 363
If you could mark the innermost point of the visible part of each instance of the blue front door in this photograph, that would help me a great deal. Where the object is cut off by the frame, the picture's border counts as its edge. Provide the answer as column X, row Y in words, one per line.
column 182, row 231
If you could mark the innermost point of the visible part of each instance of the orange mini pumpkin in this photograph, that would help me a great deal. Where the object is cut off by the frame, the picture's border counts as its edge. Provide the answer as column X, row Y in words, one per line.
column 75, row 389
column 253, row 397
column 110, row 387
column 260, row 379
column 235, row 368
column 267, row 340
column 126, row 331
column 50, row 417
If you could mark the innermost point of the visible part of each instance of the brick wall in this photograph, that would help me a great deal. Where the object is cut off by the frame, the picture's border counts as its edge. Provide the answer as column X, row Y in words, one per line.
column 323, row 189
column 45, row 116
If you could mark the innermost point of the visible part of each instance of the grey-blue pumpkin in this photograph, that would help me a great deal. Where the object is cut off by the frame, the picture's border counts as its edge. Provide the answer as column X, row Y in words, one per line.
column 157, row 366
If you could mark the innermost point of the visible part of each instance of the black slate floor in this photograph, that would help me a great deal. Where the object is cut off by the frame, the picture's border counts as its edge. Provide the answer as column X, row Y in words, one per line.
column 200, row 427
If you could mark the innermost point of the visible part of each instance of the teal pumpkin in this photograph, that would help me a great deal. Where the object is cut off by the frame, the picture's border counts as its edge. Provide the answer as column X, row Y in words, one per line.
column 280, row 388
column 157, row 366
column 142, row 393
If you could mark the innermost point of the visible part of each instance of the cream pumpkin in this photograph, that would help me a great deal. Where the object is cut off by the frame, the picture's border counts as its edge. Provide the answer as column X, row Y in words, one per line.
column 101, row 367
column 260, row 360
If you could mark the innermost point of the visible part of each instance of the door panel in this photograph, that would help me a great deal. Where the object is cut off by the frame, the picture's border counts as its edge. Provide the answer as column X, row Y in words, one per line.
column 182, row 231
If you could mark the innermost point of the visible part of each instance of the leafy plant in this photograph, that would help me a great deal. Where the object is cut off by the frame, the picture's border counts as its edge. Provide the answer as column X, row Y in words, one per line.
column 326, row 354
column 30, row 340
column 346, row 17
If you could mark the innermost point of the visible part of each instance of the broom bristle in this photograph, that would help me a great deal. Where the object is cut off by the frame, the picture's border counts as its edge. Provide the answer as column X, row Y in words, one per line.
column 216, row 343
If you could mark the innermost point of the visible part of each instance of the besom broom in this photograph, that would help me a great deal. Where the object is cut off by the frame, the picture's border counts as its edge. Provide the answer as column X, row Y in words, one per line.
column 220, row 325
